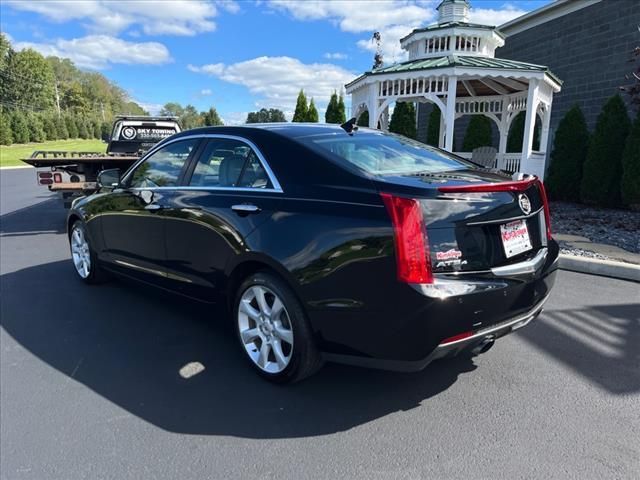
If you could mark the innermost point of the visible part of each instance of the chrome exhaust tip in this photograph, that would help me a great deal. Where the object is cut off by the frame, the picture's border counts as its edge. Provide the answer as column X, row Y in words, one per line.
column 484, row 346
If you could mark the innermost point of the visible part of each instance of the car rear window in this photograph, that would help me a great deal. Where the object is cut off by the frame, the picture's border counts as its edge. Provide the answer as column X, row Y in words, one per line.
column 385, row 154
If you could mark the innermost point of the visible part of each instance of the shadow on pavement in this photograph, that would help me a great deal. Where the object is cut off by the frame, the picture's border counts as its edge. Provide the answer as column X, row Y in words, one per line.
column 47, row 217
column 601, row 342
column 128, row 344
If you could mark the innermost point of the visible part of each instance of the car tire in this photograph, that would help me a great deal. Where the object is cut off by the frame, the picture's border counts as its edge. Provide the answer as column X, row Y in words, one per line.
column 273, row 330
column 83, row 256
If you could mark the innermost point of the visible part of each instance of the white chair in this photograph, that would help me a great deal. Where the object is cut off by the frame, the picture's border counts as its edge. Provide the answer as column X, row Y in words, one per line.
column 485, row 156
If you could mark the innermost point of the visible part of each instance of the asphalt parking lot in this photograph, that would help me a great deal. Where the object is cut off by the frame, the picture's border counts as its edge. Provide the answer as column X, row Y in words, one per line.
column 90, row 385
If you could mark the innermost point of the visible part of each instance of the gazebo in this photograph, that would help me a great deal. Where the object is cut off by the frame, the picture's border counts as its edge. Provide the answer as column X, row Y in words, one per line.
column 452, row 64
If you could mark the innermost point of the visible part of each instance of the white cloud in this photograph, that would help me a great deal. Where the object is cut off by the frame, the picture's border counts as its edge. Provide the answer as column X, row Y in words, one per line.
column 335, row 56
column 393, row 19
column 99, row 51
column 154, row 17
column 277, row 80
column 234, row 118
column 205, row 92
column 489, row 16
column 152, row 108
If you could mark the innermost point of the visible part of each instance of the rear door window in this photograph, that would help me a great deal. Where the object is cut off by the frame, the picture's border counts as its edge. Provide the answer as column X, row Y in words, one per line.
column 229, row 163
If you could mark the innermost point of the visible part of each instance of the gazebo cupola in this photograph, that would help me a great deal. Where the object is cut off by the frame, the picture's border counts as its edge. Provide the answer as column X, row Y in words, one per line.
column 452, row 65
column 452, row 35
column 453, row 11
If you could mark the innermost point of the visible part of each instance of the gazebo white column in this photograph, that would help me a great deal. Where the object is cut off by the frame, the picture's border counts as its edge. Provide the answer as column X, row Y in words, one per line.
column 546, row 121
column 529, row 126
column 450, row 117
column 372, row 105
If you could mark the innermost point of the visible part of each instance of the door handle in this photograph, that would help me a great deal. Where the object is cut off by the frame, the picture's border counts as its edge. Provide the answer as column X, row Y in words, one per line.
column 245, row 208
column 153, row 207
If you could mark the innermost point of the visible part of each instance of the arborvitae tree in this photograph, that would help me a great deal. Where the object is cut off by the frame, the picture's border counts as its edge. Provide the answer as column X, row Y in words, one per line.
column 312, row 112
column 72, row 127
column 19, row 127
column 83, row 131
column 36, row 128
column 6, row 138
column 211, row 118
column 96, row 128
column 603, row 167
column 363, row 120
column 331, row 115
column 49, row 125
column 478, row 133
column 342, row 110
column 567, row 157
column 433, row 127
column 300, row 114
column 61, row 128
column 631, row 167
column 403, row 119
column 516, row 134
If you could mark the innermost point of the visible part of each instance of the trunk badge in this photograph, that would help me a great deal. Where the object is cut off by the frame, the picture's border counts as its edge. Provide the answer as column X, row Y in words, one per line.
column 525, row 204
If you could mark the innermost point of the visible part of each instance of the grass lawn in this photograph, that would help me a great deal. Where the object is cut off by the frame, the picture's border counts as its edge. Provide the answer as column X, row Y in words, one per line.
column 10, row 156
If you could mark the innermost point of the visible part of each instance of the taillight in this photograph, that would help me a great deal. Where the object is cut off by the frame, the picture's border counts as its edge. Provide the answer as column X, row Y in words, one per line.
column 57, row 178
column 545, row 203
column 410, row 235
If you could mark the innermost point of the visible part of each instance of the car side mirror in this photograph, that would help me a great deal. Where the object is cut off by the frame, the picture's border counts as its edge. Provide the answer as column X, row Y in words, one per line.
column 109, row 178
column 106, row 138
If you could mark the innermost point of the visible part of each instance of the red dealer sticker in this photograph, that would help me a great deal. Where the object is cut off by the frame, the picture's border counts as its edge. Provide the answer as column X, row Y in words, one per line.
column 451, row 254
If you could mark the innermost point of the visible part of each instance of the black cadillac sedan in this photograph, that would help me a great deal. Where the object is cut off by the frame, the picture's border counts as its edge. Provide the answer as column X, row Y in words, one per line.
column 326, row 243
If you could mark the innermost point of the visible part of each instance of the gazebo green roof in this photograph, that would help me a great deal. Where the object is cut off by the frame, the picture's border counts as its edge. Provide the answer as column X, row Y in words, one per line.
column 458, row 61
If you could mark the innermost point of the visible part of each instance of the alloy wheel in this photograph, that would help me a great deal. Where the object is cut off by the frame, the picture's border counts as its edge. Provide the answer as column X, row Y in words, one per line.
column 80, row 252
column 265, row 329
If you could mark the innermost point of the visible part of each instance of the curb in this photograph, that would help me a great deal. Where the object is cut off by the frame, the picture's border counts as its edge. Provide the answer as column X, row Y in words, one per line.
column 16, row 167
column 605, row 268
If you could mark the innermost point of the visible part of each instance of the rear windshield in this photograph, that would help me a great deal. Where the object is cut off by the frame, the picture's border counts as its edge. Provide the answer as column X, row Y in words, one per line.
column 385, row 154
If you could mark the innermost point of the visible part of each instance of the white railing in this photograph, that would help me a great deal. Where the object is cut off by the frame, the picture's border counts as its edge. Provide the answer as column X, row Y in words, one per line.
column 509, row 161
column 412, row 86
column 505, row 161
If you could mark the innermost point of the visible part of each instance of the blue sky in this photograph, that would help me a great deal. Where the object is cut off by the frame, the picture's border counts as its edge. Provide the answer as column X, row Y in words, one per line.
column 236, row 55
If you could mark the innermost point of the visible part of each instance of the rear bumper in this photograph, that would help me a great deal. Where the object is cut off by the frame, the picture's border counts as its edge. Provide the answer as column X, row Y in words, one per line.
column 414, row 326
column 443, row 350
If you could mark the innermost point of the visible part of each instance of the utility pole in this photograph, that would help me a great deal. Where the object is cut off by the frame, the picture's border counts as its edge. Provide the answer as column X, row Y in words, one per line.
column 57, row 98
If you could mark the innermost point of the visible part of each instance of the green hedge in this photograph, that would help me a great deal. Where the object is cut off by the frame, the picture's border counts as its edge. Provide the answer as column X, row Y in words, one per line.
column 602, row 171
column 630, row 185
column 567, row 157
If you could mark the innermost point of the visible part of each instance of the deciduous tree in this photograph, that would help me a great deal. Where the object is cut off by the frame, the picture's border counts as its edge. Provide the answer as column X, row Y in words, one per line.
column 211, row 117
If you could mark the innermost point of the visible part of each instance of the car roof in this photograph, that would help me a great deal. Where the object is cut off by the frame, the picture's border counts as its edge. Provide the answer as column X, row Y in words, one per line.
column 290, row 130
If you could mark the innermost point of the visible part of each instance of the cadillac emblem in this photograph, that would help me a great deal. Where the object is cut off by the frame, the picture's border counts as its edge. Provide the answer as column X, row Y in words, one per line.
column 525, row 204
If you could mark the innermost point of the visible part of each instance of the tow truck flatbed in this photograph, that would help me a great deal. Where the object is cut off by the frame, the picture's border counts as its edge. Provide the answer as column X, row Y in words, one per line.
column 48, row 158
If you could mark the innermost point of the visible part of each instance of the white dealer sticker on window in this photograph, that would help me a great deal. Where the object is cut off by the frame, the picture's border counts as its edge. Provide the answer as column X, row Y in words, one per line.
column 515, row 238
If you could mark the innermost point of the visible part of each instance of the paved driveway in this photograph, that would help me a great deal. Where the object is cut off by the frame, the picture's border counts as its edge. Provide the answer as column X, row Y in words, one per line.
column 90, row 386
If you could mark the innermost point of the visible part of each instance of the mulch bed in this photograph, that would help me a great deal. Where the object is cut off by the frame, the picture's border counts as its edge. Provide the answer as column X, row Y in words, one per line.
column 620, row 228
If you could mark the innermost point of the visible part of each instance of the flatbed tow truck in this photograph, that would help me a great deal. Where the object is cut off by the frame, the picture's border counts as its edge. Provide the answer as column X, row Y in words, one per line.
column 74, row 174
